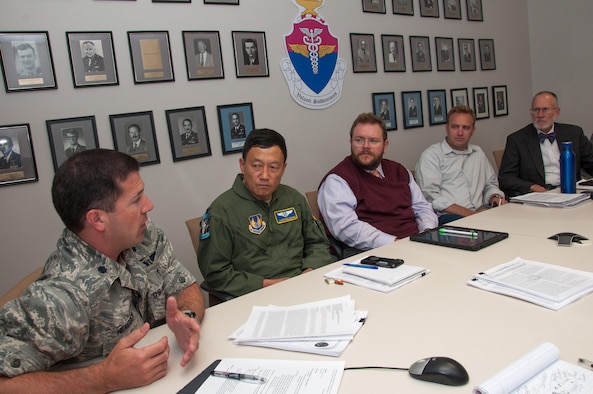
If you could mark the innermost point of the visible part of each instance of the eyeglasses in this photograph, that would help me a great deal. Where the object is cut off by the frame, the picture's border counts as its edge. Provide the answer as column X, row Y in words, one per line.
column 359, row 141
column 544, row 110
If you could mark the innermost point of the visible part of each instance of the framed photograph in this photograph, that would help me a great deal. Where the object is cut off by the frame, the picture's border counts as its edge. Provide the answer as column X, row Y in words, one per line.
column 134, row 134
column 467, row 54
column 445, row 53
column 384, row 107
column 474, row 10
column 188, row 132
column 487, row 58
column 364, row 59
column 500, row 101
column 17, row 164
column 171, row 1
column 438, row 107
column 403, row 7
column 481, row 105
column 203, row 57
column 26, row 61
column 376, row 6
column 151, row 56
column 412, row 109
column 452, row 9
column 429, row 8
column 69, row 136
column 92, row 58
column 420, row 52
column 394, row 58
column 236, row 122
column 459, row 97
column 228, row 2
column 251, row 54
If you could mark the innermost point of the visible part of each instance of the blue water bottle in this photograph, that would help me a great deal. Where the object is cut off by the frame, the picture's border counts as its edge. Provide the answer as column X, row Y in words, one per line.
column 568, row 181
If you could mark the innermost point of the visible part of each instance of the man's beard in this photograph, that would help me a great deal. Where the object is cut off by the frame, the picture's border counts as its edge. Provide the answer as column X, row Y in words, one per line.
column 371, row 165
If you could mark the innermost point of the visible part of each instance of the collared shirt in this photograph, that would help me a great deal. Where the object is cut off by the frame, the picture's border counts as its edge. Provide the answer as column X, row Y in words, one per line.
column 551, row 159
column 364, row 236
column 447, row 176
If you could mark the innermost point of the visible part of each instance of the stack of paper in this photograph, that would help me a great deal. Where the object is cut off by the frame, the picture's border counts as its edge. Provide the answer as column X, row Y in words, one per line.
column 547, row 285
column 554, row 200
column 323, row 327
column 381, row 279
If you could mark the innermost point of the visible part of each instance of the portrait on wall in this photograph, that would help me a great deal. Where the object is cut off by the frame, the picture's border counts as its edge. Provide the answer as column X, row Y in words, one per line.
column 459, row 97
column 92, row 59
column 420, row 52
column 403, row 7
column 487, row 57
column 376, row 6
column 251, row 54
column 429, row 8
column 481, row 105
column 70, row 136
column 188, row 132
column 438, row 107
column 500, row 100
column 452, row 9
column 364, row 58
column 444, row 53
column 467, row 55
column 394, row 58
column 236, row 122
column 17, row 159
column 384, row 107
column 134, row 134
column 412, row 109
column 203, row 57
column 27, row 63
column 151, row 56
column 474, row 10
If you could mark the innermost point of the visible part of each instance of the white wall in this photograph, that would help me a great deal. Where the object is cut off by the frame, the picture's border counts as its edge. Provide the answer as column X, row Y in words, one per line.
column 316, row 139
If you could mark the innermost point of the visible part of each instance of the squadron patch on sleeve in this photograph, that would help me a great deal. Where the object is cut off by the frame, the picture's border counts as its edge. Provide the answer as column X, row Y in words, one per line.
column 286, row 215
column 205, row 226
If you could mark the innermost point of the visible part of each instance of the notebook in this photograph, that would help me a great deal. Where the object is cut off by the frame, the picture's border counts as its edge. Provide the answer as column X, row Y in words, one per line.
column 482, row 238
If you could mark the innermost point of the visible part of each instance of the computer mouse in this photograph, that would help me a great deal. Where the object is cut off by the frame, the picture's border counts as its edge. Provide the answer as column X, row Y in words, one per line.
column 443, row 370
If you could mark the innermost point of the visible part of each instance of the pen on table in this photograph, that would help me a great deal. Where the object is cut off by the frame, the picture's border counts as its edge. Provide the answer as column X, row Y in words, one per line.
column 449, row 231
column 370, row 267
column 239, row 376
column 586, row 363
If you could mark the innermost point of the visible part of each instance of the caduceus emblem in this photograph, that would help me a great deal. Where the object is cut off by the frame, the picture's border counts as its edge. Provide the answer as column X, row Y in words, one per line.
column 312, row 47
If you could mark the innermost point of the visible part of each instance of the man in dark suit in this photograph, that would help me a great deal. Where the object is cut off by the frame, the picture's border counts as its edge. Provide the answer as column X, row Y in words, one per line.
column 137, row 144
column 529, row 165
column 237, row 129
column 72, row 138
column 189, row 136
column 91, row 61
column 9, row 159
column 250, row 56
column 412, row 109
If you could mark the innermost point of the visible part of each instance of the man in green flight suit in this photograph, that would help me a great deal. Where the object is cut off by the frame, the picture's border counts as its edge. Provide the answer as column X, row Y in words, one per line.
column 259, row 232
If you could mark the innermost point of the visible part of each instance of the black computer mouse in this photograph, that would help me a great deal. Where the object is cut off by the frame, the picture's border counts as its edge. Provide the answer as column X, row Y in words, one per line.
column 443, row 370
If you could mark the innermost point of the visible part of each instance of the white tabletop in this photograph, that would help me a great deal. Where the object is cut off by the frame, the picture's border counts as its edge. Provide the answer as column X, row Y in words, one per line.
column 437, row 315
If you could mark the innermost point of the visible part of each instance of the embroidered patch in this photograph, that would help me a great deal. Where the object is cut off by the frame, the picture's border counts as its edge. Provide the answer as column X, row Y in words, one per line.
column 286, row 215
column 205, row 226
column 256, row 224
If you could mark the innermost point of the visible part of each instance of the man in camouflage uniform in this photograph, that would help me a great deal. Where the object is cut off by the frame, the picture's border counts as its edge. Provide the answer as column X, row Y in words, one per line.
column 260, row 232
column 112, row 276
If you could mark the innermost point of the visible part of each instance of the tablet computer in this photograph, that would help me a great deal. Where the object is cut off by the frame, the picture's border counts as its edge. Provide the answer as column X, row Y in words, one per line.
column 460, row 237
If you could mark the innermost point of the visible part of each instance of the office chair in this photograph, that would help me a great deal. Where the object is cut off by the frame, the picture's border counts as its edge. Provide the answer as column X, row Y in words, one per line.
column 214, row 296
column 498, row 157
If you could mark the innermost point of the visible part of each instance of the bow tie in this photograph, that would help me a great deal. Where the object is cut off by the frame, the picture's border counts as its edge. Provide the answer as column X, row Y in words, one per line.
column 550, row 137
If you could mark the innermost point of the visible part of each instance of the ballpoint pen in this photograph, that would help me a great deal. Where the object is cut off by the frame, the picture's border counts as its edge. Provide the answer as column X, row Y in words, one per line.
column 586, row 363
column 450, row 231
column 370, row 267
column 239, row 376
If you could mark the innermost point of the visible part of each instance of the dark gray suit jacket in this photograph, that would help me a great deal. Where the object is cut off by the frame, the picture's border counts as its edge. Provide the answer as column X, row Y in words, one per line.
column 522, row 164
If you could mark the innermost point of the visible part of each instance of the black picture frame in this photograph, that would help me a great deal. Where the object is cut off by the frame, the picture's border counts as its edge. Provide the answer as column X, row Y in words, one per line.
column 429, row 8
column 452, row 9
column 188, row 145
column 258, row 65
column 481, row 104
column 467, row 54
column 27, row 62
column 412, row 109
column 69, row 136
column 445, row 53
column 437, row 106
column 20, row 167
column 403, row 7
column 459, row 97
column 171, row 1
column 98, row 69
column 487, row 54
column 151, row 56
column 233, row 141
column 202, row 65
column 500, row 102
column 420, row 53
column 374, row 6
column 364, row 57
column 226, row 2
column 141, row 124
column 393, row 61
column 474, row 10
column 384, row 107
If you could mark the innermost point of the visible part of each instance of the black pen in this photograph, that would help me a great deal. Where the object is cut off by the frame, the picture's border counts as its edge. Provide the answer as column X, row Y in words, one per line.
column 239, row 376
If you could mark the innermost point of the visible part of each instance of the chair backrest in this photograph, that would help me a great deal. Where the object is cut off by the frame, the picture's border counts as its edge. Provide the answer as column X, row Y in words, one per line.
column 20, row 287
column 312, row 200
column 193, row 226
column 498, row 157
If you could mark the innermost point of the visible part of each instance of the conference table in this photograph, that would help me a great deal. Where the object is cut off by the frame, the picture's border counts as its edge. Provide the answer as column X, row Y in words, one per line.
column 436, row 315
